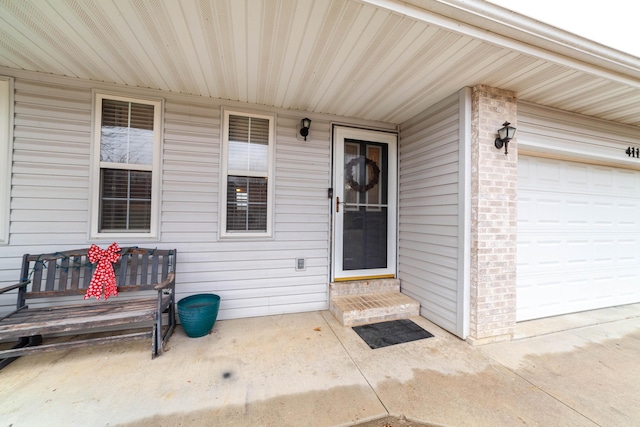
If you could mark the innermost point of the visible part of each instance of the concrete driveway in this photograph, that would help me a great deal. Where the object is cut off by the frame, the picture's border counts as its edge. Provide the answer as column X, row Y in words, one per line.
column 307, row 370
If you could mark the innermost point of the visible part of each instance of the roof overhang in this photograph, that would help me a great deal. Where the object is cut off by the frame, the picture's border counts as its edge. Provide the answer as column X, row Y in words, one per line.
column 381, row 60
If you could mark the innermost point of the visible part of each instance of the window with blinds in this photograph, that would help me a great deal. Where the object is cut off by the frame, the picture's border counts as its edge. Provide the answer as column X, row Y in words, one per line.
column 127, row 164
column 247, row 181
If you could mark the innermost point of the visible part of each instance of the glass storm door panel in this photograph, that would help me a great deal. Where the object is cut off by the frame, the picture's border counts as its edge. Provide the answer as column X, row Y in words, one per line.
column 364, row 205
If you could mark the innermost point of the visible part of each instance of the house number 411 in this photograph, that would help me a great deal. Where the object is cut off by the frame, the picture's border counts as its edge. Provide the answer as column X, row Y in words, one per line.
column 633, row 152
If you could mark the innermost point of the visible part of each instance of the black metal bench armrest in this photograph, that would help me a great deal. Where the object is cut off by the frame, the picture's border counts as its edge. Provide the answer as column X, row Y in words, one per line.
column 16, row 286
column 170, row 280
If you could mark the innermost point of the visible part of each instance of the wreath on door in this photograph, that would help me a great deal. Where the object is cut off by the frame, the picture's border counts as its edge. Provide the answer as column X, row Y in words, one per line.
column 366, row 162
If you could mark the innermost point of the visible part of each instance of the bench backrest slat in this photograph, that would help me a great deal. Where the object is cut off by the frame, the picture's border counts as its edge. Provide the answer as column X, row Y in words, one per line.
column 165, row 266
column 121, row 276
column 64, row 273
column 37, row 274
column 133, row 270
column 144, row 271
column 76, row 263
column 50, row 284
column 154, row 268
column 70, row 272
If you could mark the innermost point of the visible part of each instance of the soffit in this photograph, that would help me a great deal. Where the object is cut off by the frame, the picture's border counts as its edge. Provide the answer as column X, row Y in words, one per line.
column 343, row 57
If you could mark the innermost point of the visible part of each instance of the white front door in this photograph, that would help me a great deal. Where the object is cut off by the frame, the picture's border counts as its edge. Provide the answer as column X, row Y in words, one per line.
column 364, row 203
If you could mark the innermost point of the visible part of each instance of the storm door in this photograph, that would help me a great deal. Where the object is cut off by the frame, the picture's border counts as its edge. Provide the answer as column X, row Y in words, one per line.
column 364, row 204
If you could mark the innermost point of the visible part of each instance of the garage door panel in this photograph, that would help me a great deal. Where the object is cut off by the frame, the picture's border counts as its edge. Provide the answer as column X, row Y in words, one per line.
column 578, row 237
column 577, row 177
column 547, row 211
column 578, row 293
column 540, row 251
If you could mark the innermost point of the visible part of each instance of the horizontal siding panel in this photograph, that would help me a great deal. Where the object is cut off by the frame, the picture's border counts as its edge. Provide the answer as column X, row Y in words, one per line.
column 45, row 191
column 188, row 207
column 432, row 168
column 297, row 236
column 231, row 260
column 52, row 158
column 547, row 131
column 50, row 197
column 437, row 264
column 80, row 171
column 57, row 181
column 52, row 124
column 437, row 200
column 239, row 294
column 192, row 217
column 47, row 204
column 177, row 197
column 316, row 195
column 266, row 310
column 295, row 218
column 432, row 274
column 54, row 216
column 439, row 296
column 78, row 113
column 49, row 238
column 293, row 207
column 431, row 220
column 216, row 280
column 413, row 209
column 62, row 227
column 267, row 279
column 439, row 151
column 207, row 150
column 210, row 228
column 431, row 232
column 273, row 302
column 431, row 250
column 429, row 208
column 64, row 145
column 429, row 186
column 175, row 160
column 304, row 206
column 443, row 236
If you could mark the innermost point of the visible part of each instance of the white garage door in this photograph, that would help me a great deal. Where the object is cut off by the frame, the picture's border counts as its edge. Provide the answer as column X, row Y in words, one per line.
column 578, row 237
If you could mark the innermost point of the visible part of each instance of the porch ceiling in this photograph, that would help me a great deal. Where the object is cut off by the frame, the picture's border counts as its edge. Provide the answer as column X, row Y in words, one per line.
column 382, row 60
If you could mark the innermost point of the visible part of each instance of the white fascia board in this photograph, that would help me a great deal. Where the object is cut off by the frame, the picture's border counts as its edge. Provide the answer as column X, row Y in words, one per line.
column 502, row 27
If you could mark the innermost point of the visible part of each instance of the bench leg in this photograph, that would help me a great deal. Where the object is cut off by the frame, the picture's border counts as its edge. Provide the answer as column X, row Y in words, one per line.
column 24, row 342
column 160, row 337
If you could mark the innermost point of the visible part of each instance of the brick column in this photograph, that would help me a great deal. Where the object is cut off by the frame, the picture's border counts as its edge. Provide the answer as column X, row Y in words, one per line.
column 494, row 178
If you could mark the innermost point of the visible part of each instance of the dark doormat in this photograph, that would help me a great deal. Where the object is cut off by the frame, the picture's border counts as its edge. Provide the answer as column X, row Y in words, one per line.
column 390, row 333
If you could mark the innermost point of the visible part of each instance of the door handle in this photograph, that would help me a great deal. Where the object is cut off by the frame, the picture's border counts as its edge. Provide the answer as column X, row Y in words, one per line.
column 337, row 204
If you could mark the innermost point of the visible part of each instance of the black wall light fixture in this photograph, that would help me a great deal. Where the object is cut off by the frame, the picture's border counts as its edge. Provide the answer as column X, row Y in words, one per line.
column 505, row 134
column 306, row 124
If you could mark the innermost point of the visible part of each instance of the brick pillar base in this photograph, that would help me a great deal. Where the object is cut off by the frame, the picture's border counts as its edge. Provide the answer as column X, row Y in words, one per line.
column 494, row 178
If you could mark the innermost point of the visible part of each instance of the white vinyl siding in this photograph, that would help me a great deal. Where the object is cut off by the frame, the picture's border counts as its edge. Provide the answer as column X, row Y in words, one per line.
column 578, row 214
column 6, row 136
column 432, row 219
column 126, row 165
column 51, row 182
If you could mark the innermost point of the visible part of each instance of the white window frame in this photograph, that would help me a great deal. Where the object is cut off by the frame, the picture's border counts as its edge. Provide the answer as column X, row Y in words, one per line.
column 155, row 168
column 6, row 144
column 270, row 175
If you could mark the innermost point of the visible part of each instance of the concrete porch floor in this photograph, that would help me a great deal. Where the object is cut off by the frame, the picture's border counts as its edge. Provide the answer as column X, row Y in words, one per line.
column 307, row 370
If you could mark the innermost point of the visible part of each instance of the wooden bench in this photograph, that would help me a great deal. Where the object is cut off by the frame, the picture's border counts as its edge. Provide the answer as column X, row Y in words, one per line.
column 53, row 284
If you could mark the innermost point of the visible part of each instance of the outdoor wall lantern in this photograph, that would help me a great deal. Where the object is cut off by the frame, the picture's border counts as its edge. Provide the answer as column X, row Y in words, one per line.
column 505, row 134
column 306, row 124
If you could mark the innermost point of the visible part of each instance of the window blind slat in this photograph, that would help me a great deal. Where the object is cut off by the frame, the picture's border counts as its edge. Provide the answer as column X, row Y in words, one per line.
column 126, row 132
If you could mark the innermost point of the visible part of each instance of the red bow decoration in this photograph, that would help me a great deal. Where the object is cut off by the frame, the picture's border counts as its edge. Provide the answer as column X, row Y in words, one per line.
column 103, row 278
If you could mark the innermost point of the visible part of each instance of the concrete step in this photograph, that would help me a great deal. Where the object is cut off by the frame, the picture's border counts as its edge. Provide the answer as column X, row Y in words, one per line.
column 370, row 301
